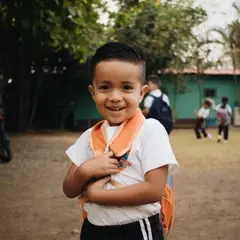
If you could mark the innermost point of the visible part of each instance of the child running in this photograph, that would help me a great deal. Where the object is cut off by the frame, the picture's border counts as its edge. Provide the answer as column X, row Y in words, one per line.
column 224, row 112
column 201, row 115
column 122, row 163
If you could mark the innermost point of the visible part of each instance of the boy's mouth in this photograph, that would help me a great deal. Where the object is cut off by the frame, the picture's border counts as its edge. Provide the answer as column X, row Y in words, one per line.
column 115, row 109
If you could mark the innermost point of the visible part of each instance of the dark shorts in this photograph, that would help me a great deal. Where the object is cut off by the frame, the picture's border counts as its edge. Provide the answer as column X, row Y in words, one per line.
column 145, row 229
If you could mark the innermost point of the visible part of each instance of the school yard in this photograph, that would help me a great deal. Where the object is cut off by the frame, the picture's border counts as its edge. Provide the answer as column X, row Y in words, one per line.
column 32, row 205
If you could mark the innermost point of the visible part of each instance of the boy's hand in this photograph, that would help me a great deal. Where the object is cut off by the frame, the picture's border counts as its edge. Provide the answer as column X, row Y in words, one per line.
column 100, row 166
column 95, row 188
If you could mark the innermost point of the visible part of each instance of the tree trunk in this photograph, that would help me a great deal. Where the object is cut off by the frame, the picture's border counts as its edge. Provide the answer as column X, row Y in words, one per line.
column 234, row 75
column 35, row 101
column 64, row 114
column 24, row 102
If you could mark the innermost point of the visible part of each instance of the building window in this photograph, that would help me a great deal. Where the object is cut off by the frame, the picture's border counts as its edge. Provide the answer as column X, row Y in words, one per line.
column 210, row 92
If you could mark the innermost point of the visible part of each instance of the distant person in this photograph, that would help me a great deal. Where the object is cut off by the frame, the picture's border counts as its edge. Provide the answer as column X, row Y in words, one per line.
column 224, row 113
column 201, row 115
column 156, row 104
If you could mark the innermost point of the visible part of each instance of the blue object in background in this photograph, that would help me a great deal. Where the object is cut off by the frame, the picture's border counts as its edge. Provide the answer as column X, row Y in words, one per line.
column 169, row 181
column 211, row 122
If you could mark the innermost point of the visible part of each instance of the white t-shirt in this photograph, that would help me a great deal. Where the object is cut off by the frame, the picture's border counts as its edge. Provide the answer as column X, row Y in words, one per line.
column 227, row 112
column 203, row 112
column 227, row 109
column 150, row 150
column 156, row 93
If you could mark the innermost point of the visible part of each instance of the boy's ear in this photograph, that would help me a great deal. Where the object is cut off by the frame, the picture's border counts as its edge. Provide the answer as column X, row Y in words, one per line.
column 90, row 89
column 144, row 90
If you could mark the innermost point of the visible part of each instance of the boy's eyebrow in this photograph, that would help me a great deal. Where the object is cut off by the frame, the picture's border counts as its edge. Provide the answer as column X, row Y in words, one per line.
column 129, row 82
column 108, row 81
column 102, row 81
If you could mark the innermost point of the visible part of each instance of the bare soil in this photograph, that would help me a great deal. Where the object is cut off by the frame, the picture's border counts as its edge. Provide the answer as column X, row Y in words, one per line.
column 32, row 205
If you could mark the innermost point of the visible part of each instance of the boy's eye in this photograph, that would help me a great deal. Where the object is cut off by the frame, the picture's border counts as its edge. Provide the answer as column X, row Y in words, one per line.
column 104, row 87
column 127, row 87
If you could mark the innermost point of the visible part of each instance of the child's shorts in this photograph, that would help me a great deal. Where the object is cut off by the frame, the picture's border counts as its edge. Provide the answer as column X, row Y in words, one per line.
column 145, row 229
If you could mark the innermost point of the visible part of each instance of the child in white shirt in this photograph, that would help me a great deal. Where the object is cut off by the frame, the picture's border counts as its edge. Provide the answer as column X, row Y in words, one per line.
column 131, row 211
column 201, row 115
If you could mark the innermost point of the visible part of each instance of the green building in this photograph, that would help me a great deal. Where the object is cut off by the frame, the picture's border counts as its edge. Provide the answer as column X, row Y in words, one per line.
column 185, row 97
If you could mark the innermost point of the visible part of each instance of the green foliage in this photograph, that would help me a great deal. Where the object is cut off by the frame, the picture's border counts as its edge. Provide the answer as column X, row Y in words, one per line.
column 57, row 24
column 230, row 39
column 162, row 30
column 42, row 37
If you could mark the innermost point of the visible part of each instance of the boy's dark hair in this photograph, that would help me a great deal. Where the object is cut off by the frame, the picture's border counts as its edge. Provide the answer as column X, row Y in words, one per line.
column 154, row 79
column 207, row 103
column 224, row 100
column 120, row 51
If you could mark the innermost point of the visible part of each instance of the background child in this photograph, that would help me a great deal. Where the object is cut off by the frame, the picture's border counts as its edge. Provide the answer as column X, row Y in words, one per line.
column 131, row 211
column 224, row 112
column 201, row 115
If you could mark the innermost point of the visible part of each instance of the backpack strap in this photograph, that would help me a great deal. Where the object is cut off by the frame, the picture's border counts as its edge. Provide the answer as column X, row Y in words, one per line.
column 154, row 97
column 162, row 94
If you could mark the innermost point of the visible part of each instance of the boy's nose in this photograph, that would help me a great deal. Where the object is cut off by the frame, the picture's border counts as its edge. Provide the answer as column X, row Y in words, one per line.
column 115, row 96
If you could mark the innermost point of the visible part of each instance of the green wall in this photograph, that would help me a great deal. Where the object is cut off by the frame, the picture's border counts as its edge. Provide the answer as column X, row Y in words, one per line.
column 186, row 102
column 85, row 107
column 189, row 101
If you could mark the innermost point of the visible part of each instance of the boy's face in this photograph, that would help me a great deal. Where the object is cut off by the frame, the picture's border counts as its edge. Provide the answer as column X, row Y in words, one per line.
column 205, row 106
column 117, row 90
column 152, row 86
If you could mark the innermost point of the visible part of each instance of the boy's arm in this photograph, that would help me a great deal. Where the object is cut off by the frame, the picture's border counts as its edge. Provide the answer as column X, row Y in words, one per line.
column 229, row 110
column 75, row 181
column 147, row 192
column 197, row 115
column 78, row 178
column 147, row 105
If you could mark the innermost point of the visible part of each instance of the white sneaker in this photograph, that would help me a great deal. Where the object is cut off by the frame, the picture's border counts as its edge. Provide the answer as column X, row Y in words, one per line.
column 219, row 139
column 225, row 141
column 209, row 135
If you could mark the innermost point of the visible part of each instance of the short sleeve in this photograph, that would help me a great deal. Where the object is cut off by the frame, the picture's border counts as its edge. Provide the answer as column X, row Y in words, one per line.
column 79, row 151
column 200, row 112
column 206, row 113
column 217, row 107
column 156, row 148
column 229, row 109
column 148, row 101
column 166, row 99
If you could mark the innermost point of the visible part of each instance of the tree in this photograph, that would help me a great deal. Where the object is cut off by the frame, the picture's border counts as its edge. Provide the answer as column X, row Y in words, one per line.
column 162, row 30
column 32, row 32
column 230, row 40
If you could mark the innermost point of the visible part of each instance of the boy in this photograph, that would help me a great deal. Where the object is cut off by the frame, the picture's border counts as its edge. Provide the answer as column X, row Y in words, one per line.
column 156, row 104
column 154, row 90
column 201, row 115
column 132, row 210
column 224, row 112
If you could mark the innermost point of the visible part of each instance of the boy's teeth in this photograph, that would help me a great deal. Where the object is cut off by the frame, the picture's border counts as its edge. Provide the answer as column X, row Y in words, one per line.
column 115, row 109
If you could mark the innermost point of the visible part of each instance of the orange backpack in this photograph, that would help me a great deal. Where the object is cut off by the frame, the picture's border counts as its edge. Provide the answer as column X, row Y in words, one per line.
column 167, row 206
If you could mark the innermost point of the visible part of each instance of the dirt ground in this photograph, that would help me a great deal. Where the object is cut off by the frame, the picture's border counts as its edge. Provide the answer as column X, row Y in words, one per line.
column 32, row 205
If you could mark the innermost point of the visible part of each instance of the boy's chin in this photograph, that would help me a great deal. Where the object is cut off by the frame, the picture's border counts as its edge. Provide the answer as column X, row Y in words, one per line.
column 115, row 122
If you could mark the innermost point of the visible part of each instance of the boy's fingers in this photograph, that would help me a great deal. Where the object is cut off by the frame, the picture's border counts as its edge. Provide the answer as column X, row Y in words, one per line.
column 113, row 166
column 109, row 154
column 114, row 161
column 106, row 179
column 113, row 171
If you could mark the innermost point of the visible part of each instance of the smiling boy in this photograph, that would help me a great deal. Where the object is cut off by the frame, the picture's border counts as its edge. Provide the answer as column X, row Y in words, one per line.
column 130, row 211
